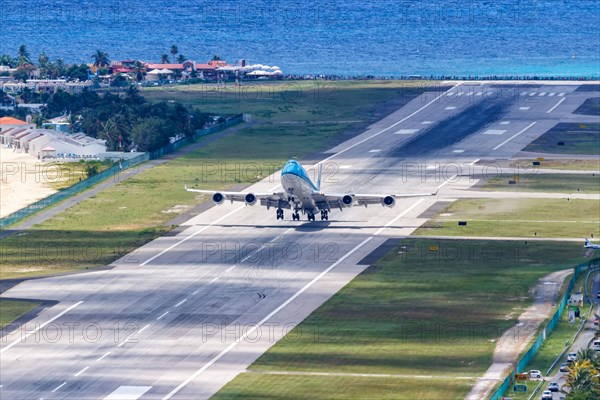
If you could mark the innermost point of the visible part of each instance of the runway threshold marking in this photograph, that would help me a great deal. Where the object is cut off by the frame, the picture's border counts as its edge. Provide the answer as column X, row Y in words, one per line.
column 391, row 126
column 556, row 105
column 29, row 333
column 515, row 135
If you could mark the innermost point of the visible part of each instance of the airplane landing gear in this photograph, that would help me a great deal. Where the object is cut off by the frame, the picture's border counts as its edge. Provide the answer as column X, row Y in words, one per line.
column 311, row 216
column 279, row 213
column 324, row 215
column 296, row 216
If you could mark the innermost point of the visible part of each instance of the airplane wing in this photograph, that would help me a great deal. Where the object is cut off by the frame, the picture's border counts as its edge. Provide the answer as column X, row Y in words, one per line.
column 351, row 199
column 270, row 199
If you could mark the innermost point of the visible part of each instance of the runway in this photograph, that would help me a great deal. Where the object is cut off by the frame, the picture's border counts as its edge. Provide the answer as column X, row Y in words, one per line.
column 183, row 315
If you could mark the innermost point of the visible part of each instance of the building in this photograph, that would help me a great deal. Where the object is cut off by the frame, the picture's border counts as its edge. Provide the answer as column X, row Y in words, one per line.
column 51, row 143
column 11, row 127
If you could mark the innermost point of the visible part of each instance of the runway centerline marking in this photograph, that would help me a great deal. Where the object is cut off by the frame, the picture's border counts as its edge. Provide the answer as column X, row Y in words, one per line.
column 523, row 108
column 556, row 105
column 515, row 135
column 181, row 302
column 82, row 371
column 105, row 355
column 391, row 126
column 59, row 386
column 131, row 335
column 265, row 319
column 162, row 316
column 402, row 214
column 22, row 338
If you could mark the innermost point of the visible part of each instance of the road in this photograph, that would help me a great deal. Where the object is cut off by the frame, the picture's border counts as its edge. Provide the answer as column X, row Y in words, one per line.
column 183, row 315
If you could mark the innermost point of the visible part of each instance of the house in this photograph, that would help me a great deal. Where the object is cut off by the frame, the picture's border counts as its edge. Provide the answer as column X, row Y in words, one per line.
column 9, row 127
column 65, row 145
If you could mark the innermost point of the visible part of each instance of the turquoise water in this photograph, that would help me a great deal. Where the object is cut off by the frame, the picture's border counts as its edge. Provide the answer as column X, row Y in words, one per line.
column 385, row 38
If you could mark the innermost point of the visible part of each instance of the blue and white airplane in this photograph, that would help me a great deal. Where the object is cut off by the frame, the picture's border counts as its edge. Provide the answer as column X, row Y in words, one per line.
column 300, row 194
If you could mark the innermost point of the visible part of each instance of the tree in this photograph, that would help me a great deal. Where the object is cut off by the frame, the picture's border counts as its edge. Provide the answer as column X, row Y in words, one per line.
column 180, row 58
column 43, row 60
column 23, row 55
column 79, row 72
column 100, row 59
column 21, row 74
column 150, row 134
column 216, row 57
column 5, row 59
column 582, row 381
column 174, row 51
column 164, row 59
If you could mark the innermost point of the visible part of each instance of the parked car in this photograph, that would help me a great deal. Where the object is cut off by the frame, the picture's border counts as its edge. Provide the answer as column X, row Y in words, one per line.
column 547, row 395
column 596, row 345
column 572, row 356
column 553, row 387
column 534, row 373
column 563, row 367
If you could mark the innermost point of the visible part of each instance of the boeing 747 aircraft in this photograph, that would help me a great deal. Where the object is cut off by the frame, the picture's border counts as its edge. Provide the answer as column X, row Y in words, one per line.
column 300, row 194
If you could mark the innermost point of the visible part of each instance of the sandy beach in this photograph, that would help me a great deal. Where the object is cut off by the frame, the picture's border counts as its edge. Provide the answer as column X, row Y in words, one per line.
column 23, row 180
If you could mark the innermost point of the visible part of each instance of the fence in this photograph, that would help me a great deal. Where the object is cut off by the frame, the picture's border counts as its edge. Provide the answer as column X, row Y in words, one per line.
column 527, row 357
column 114, row 171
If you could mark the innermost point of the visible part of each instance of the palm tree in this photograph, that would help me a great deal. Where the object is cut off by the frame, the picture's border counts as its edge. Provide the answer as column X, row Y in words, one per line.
column 164, row 59
column 216, row 57
column 43, row 60
column 101, row 59
column 586, row 354
column 582, row 377
column 5, row 59
column 180, row 58
column 23, row 55
column 174, row 51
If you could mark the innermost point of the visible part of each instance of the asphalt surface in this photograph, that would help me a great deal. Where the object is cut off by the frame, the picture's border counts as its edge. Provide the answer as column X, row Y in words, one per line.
column 183, row 315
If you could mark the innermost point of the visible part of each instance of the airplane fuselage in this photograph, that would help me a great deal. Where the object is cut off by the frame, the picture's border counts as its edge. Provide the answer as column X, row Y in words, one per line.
column 298, row 187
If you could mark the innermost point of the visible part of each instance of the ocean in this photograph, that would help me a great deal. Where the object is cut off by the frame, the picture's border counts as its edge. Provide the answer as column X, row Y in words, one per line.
column 333, row 37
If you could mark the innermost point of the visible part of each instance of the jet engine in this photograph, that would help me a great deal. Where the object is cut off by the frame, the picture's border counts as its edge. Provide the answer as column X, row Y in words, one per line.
column 347, row 200
column 218, row 198
column 389, row 201
column 250, row 199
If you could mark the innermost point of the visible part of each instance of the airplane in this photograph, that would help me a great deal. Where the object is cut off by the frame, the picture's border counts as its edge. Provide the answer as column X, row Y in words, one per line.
column 591, row 247
column 300, row 194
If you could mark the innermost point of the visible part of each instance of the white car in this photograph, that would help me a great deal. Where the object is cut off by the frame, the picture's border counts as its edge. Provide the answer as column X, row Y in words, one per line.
column 572, row 357
column 534, row 373
column 547, row 395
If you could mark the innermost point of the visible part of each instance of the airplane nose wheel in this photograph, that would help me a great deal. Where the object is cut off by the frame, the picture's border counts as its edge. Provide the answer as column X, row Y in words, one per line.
column 279, row 213
column 324, row 215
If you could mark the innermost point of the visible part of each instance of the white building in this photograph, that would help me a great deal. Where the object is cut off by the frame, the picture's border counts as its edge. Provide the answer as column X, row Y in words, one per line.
column 64, row 145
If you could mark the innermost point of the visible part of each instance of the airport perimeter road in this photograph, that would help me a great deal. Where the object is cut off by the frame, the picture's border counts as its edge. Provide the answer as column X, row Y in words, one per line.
column 184, row 314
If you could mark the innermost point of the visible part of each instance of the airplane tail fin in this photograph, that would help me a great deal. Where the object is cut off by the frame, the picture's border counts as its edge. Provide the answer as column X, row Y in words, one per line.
column 319, row 173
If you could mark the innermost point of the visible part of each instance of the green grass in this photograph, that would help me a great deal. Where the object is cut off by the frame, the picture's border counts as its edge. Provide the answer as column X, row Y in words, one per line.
column 577, row 139
column 255, row 386
column 11, row 310
column 61, row 175
column 560, row 164
column 589, row 107
column 559, row 183
column 418, row 312
column 516, row 218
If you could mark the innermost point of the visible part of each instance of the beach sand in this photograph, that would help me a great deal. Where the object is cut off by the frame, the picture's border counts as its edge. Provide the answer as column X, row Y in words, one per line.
column 23, row 180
